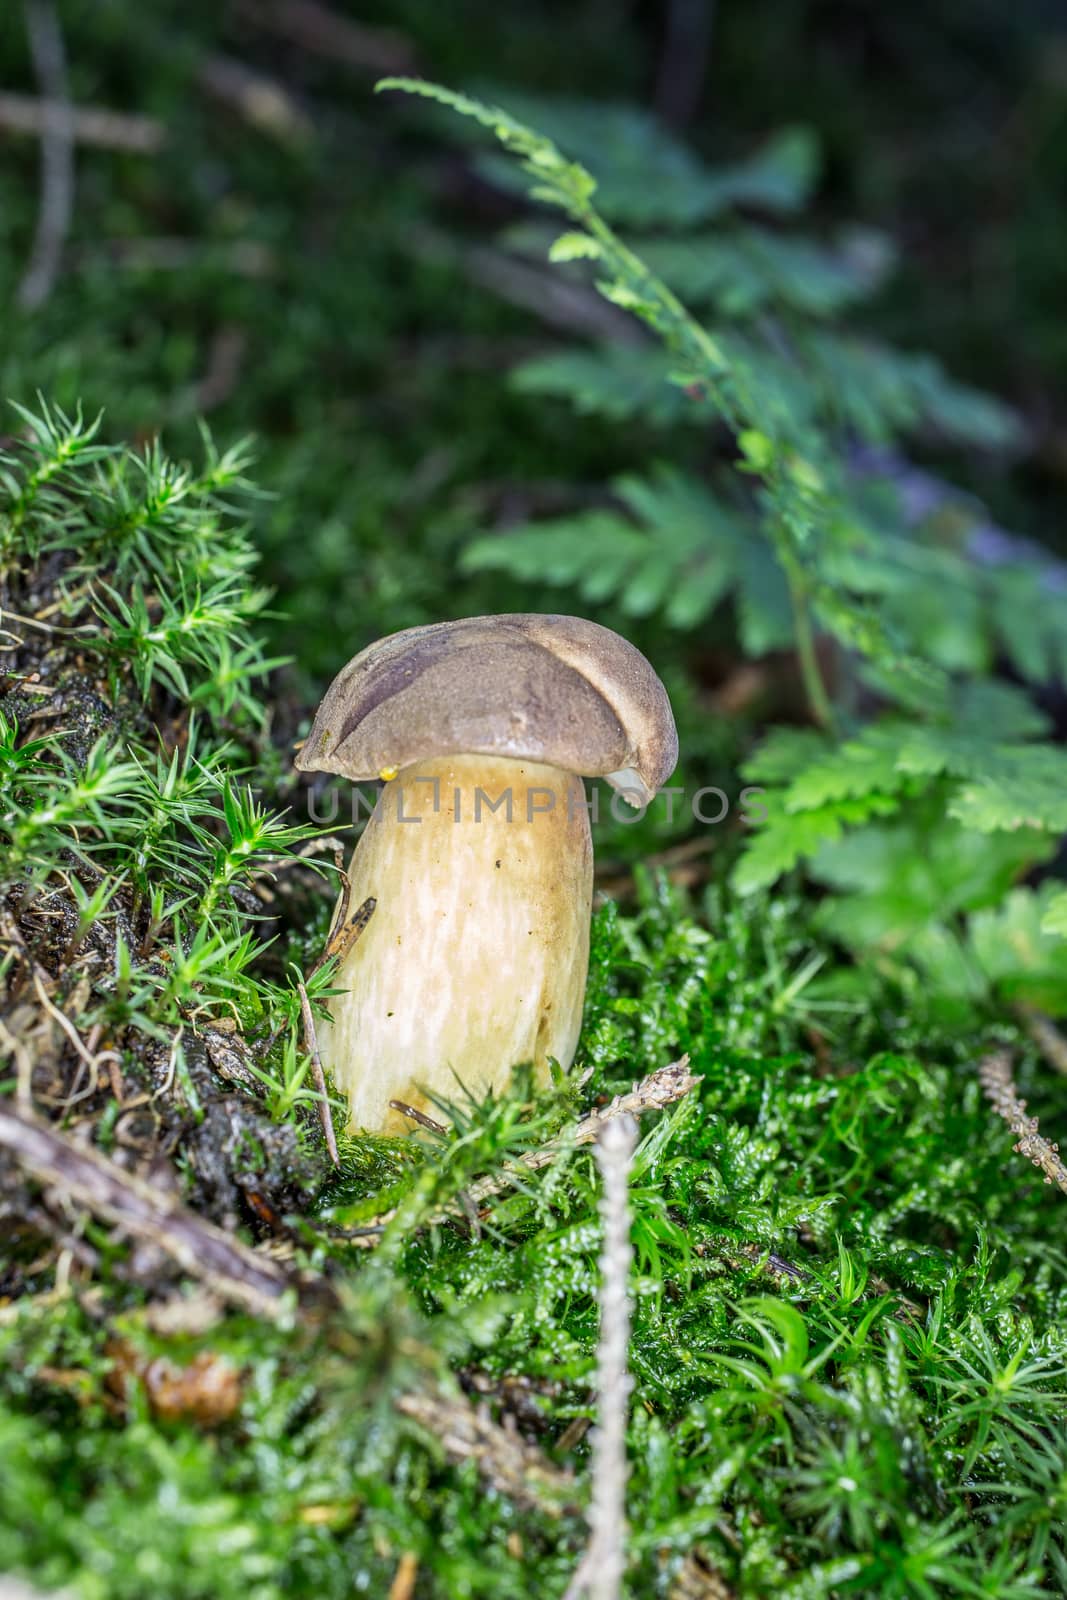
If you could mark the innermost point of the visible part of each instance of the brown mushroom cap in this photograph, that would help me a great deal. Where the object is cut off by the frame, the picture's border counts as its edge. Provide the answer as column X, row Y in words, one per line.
column 560, row 690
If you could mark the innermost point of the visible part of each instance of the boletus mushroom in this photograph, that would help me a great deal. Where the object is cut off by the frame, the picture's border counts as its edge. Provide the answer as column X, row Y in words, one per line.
column 478, row 853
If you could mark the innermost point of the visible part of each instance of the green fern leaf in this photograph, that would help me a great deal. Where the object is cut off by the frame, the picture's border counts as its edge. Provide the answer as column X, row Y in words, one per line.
column 785, row 838
column 1025, row 788
column 1018, row 948
column 784, row 753
column 1054, row 917
column 751, row 269
column 680, row 549
column 646, row 177
column 616, row 382
column 861, row 766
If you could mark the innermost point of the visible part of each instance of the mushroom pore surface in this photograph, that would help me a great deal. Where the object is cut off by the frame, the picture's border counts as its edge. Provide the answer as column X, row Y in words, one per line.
column 475, row 958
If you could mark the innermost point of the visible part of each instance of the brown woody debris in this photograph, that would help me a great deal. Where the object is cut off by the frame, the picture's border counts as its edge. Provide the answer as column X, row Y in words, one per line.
column 996, row 1079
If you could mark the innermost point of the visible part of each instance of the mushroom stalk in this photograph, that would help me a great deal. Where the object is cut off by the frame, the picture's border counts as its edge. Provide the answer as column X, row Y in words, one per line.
column 475, row 958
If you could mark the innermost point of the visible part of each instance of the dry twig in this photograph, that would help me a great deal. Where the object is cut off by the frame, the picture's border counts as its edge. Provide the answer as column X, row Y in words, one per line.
column 996, row 1079
column 696, row 1580
column 94, row 125
column 660, row 1089
column 413, row 1114
column 57, row 154
column 560, row 302
column 601, row 1569
column 346, row 929
column 403, row 1584
column 13, row 1045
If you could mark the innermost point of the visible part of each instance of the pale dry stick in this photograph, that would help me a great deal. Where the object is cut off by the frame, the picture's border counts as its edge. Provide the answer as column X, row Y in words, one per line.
column 659, row 1090
column 57, row 154
column 172, row 1064
column 343, row 935
column 311, row 1045
column 45, row 627
column 600, row 1572
column 995, row 1076
column 94, row 125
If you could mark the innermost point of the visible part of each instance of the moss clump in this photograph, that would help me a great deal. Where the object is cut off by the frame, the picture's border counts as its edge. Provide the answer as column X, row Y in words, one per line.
column 848, row 1315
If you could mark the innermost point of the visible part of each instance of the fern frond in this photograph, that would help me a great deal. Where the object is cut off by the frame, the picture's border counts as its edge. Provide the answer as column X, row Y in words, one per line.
column 681, row 551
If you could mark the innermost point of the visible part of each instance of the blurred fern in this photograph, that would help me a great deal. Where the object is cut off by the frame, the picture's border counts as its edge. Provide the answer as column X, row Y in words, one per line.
column 926, row 813
column 671, row 547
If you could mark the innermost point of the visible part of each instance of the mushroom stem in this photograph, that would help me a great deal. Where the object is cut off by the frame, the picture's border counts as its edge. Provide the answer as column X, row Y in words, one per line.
column 476, row 956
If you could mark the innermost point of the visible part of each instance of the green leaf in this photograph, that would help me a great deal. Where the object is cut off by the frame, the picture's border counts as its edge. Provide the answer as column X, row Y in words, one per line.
column 892, row 880
column 866, row 765
column 646, row 177
column 785, row 838
column 1019, row 952
column 679, row 549
column 751, row 269
column 1018, row 788
column 1054, row 919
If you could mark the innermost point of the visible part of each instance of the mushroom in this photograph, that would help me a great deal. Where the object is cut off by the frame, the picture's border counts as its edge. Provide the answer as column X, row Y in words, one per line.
column 478, row 853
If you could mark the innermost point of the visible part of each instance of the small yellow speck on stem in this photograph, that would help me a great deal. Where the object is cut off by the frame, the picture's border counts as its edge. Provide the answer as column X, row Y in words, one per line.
column 387, row 774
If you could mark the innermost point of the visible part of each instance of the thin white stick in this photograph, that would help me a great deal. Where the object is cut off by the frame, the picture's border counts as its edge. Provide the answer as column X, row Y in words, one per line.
column 57, row 154
column 600, row 1573
column 96, row 125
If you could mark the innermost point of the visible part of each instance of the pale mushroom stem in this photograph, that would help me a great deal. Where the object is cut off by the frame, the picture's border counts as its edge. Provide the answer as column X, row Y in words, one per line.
column 475, row 958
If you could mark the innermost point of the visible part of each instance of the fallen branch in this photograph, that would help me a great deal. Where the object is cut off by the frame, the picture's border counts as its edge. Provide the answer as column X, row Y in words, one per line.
column 92, row 125
column 234, row 1273
column 995, row 1076
column 66, row 1171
